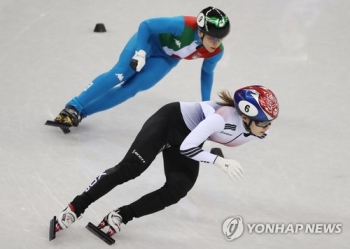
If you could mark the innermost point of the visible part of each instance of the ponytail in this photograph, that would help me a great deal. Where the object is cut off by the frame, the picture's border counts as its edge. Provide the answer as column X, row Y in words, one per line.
column 226, row 98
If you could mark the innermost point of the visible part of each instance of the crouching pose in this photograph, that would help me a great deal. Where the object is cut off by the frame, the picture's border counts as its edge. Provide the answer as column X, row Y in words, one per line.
column 157, row 47
column 178, row 130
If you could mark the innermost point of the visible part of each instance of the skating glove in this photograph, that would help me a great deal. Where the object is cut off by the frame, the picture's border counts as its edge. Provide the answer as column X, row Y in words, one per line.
column 138, row 60
column 230, row 166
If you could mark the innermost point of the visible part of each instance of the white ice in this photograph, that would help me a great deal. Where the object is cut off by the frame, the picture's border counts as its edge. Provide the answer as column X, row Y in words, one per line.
column 300, row 174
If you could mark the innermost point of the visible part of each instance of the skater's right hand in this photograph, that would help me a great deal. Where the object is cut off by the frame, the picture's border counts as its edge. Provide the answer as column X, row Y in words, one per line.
column 231, row 167
column 138, row 60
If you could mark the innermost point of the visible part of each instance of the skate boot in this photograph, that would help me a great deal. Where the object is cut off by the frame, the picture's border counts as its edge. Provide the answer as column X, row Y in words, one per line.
column 64, row 220
column 67, row 118
column 70, row 116
column 113, row 220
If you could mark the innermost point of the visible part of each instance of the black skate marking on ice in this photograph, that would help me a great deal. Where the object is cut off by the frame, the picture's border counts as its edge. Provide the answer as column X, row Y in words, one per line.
column 95, row 230
column 217, row 151
column 52, row 232
column 64, row 127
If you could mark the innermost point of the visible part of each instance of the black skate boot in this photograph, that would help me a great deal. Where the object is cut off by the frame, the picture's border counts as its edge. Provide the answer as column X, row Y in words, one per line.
column 67, row 118
column 113, row 220
column 69, row 115
column 64, row 220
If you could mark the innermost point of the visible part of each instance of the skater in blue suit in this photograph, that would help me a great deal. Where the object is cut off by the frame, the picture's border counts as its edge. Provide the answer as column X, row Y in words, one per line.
column 150, row 54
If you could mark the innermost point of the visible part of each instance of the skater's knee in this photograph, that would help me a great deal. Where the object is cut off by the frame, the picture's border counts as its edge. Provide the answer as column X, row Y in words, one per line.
column 108, row 78
column 113, row 170
column 177, row 190
column 130, row 89
column 125, row 171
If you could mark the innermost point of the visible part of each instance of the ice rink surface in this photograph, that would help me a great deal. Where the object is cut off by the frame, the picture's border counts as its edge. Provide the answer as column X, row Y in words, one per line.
column 299, row 175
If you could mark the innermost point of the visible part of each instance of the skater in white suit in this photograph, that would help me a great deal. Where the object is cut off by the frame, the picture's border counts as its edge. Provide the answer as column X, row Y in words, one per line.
column 178, row 130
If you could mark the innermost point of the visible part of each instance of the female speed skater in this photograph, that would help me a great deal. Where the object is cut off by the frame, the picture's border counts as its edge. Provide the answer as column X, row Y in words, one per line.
column 157, row 47
column 178, row 131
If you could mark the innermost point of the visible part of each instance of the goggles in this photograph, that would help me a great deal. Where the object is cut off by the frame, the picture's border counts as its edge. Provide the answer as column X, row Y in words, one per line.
column 262, row 124
column 214, row 39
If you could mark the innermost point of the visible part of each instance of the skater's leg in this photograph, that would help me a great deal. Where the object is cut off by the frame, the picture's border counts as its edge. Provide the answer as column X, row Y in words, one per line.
column 147, row 144
column 154, row 70
column 101, row 84
column 181, row 174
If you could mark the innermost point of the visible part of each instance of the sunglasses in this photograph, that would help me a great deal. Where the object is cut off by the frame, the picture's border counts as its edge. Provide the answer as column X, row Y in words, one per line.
column 262, row 124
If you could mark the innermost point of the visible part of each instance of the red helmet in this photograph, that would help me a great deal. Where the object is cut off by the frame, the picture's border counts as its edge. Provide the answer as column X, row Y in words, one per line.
column 256, row 102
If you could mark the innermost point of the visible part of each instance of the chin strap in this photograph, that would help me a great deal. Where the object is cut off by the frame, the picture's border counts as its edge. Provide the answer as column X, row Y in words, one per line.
column 201, row 40
column 247, row 127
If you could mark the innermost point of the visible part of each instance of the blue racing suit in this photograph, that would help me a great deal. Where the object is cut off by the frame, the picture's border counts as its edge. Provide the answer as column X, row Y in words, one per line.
column 166, row 40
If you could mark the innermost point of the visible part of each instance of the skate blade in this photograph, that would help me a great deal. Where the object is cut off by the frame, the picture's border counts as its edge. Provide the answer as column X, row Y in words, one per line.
column 95, row 230
column 64, row 127
column 217, row 151
column 52, row 232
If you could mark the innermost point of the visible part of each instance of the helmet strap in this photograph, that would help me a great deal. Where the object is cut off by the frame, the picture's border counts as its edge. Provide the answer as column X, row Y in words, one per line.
column 247, row 125
column 202, row 38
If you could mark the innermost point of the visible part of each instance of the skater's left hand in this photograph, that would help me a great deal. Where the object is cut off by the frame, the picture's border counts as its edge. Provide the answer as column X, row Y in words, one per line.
column 138, row 60
column 231, row 167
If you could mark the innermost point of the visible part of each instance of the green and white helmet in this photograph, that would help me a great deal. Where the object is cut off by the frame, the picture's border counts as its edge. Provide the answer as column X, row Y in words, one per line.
column 213, row 22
